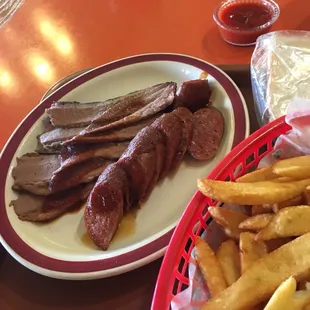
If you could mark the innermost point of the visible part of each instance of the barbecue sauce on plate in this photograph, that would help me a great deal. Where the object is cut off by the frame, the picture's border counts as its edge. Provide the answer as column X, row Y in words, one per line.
column 126, row 229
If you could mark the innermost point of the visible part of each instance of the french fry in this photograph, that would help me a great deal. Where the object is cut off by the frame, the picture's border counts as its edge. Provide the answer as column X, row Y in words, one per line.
column 297, row 168
column 228, row 219
column 250, row 250
column 263, row 174
column 256, row 222
column 252, row 193
column 296, row 201
column 210, row 267
column 283, row 296
column 228, row 257
column 288, row 222
column 231, row 233
column 264, row 276
column 286, row 297
column 261, row 209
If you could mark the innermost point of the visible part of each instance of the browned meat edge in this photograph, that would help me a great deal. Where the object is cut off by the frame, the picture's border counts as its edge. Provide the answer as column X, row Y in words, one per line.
column 34, row 208
column 131, row 112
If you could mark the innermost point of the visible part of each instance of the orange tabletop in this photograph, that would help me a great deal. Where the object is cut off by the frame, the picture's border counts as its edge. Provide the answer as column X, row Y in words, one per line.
column 46, row 40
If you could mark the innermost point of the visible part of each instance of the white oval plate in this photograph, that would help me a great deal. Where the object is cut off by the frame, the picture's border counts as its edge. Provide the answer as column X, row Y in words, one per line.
column 57, row 249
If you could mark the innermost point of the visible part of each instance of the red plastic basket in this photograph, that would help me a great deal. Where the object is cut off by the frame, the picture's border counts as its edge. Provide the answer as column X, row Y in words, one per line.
column 173, row 276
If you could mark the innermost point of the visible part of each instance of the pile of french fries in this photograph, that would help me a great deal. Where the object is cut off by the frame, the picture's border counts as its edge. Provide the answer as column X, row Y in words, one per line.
column 265, row 263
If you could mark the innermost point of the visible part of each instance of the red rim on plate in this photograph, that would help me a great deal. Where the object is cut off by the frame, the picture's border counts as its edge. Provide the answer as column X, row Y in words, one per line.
column 20, row 248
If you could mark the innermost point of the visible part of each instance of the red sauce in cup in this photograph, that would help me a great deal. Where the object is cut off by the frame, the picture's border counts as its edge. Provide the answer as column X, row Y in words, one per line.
column 242, row 21
column 245, row 15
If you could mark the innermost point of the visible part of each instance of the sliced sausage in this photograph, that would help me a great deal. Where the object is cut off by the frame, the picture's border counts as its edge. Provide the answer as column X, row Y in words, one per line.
column 170, row 125
column 104, row 209
column 159, row 161
column 186, row 118
column 193, row 95
column 208, row 133
column 147, row 151
column 140, row 171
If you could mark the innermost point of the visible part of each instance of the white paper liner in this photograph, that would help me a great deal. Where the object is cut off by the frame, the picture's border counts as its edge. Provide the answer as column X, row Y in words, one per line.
column 294, row 143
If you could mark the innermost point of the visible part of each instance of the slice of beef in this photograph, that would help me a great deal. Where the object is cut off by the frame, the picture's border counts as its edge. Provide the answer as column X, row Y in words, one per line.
column 50, row 141
column 129, row 113
column 33, row 172
column 83, row 172
column 75, row 114
column 193, row 95
column 34, row 208
column 171, row 126
column 208, row 133
column 186, row 117
column 117, row 135
column 104, row 209
column 76, row 154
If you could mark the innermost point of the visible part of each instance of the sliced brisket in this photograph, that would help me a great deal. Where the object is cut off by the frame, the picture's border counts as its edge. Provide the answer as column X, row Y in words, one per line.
column 75, row 154
column 75, row 114
column 50, row 141
column 117, row 135
column 158, row 98
column 34, row 208
column 72, row 176
column 33, row 172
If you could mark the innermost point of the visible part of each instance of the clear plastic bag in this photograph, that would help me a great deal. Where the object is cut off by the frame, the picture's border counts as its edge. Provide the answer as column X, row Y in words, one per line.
column 7, row 9
column 280, row 72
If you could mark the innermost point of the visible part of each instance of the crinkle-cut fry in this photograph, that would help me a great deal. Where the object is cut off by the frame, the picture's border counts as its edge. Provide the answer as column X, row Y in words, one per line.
column 256, row 222
column 250, row 250
column 288, row 222
column 261, row 209
column 260, row 281
column 229, row 259
column 228, row 219
column 252, row 193
column 263, row 174
column 296, row 201
column 210, row 267
column 297, row 168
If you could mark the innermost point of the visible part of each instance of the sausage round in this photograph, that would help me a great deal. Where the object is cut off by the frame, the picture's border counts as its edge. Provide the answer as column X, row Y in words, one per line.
column 207, row 134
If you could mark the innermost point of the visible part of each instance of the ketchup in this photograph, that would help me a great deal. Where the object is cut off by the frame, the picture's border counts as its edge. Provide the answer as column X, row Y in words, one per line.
column 245, row 15
column 241, row 22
